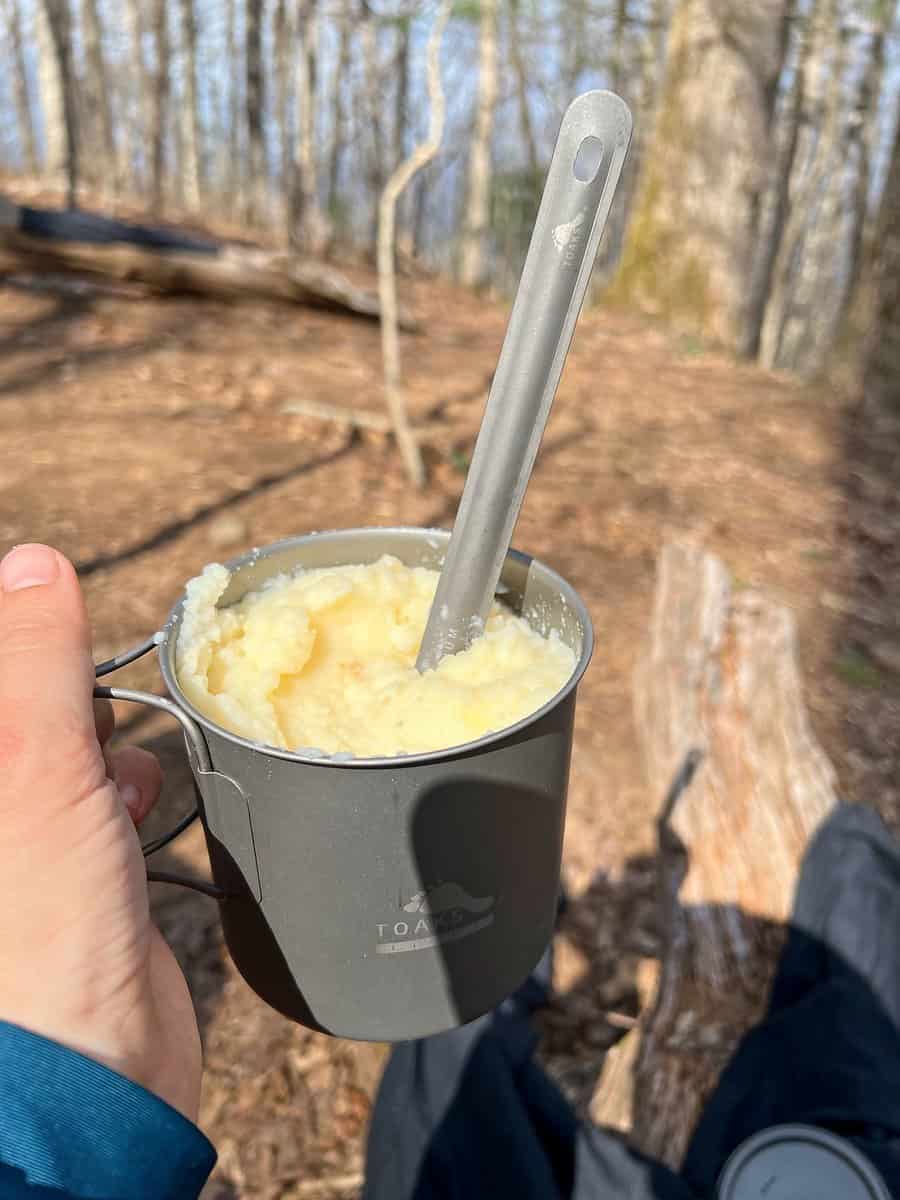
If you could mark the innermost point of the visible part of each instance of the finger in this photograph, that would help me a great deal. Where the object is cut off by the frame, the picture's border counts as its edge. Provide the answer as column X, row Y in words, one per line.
column 47, row 731
column 104, row 720
column 139, row 777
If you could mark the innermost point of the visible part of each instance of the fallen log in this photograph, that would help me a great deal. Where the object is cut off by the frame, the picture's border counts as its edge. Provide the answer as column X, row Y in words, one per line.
column 81, row 243
column 727, row 741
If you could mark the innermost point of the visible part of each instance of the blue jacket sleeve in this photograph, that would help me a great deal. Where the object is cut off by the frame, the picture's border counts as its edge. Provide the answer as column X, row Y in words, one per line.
column 71, row 1128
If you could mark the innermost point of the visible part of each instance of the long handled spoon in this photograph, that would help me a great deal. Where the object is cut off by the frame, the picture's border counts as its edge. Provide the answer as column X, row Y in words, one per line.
column 581, row 182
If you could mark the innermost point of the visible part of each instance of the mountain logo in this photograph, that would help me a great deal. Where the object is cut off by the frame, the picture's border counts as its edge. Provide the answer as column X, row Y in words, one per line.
column 444, row 912
column 567, row 235
column 444, row 896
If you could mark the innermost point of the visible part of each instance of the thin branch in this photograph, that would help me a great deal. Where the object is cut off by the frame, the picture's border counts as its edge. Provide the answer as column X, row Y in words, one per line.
column 356, row 418
column 387, row 279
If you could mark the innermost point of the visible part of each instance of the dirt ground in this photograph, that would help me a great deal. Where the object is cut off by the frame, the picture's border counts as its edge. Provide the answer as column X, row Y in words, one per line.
column 146, row 438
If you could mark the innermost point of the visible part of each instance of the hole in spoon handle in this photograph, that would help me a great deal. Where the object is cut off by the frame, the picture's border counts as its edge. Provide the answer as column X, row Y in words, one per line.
column 588, row 159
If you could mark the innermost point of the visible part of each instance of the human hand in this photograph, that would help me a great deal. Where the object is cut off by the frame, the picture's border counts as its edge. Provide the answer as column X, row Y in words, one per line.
column 80, row 960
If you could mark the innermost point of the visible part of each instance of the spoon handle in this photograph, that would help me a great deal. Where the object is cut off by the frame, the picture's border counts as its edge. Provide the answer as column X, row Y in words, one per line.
column 581, row 182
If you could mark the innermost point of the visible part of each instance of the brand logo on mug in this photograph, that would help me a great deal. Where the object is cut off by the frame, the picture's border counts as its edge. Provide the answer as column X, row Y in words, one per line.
column 442, row 913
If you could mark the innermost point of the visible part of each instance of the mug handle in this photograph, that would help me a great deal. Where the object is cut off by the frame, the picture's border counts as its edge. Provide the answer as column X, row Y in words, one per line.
column 197, row 743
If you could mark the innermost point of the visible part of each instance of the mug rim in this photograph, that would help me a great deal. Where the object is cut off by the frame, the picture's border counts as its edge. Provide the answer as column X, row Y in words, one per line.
column 167, row 646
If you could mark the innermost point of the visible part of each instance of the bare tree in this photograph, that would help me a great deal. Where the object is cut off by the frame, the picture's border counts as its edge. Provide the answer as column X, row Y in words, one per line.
column 573, row 17
column 881, row 377
column 387, row 281
column 160, row 102
column 627, row 70
column 692, row 235
column 98, row 95
column 256, row 145
column 24, row 117
column 140, row 90
column 334, row 105
column 189, row 117
column 401, row 88
column 307, row 226
column 236, row 110
column 477, row 209
column 420, row 211
column 517, row 61
column 863, row 138
column 51, row 96
column 214, row 142
column 772, row 222
column 800, row 130
column 373, row 106
column 402, row 66
column 60, row 22
column 660, row 21
column 844, row 218
column 619, row 53
column 802, row 315
column 283, row 40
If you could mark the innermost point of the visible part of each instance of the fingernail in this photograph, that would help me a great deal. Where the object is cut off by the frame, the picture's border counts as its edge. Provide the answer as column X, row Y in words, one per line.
column 28, row 566
column 131, row 797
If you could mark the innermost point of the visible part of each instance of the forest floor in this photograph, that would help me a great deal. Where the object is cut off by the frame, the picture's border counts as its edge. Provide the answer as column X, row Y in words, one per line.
column 146, row 438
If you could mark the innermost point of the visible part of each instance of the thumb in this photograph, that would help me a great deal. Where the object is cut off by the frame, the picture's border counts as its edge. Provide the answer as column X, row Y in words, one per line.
column 49, row 754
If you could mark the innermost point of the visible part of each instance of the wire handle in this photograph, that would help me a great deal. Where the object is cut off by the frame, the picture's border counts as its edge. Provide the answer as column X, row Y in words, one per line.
column 196, row 741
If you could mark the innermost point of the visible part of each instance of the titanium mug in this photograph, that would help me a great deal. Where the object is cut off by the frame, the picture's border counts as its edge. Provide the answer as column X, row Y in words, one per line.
column 383, row 899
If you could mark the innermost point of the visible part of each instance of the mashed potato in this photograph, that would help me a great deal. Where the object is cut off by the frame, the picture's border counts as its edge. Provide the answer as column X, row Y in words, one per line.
column 325, row 660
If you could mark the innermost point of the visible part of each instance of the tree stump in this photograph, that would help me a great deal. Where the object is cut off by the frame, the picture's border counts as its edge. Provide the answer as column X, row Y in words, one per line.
column 727, row 742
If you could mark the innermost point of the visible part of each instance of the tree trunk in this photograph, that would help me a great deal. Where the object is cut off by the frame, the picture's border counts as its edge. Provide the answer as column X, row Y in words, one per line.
column 812, row 256
column 24, row 116
column 660, row 22
column 401, row 119
column 637, row 73
column 472, row 268
column 307, row 226
column 51, row 96
column 526, row 127
column 189, row 117
column 160, row 109
column 864, row 136
column 420, row 212
column 727, row 742
column 139, row 91
column 618, row 66
column 773, row 221
column 373, row 109
column 691, row 239
column 387, row 279
column 401, row 90
column 781, row 325
column 236, row 111
column 283, row 41
column 213, row 145
column 573, row 16
column 98, row 95
column 881, row 378
column 624, row 80
column 256, row 144
column 336, row 110
column 175, row 166
column 60, row 22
